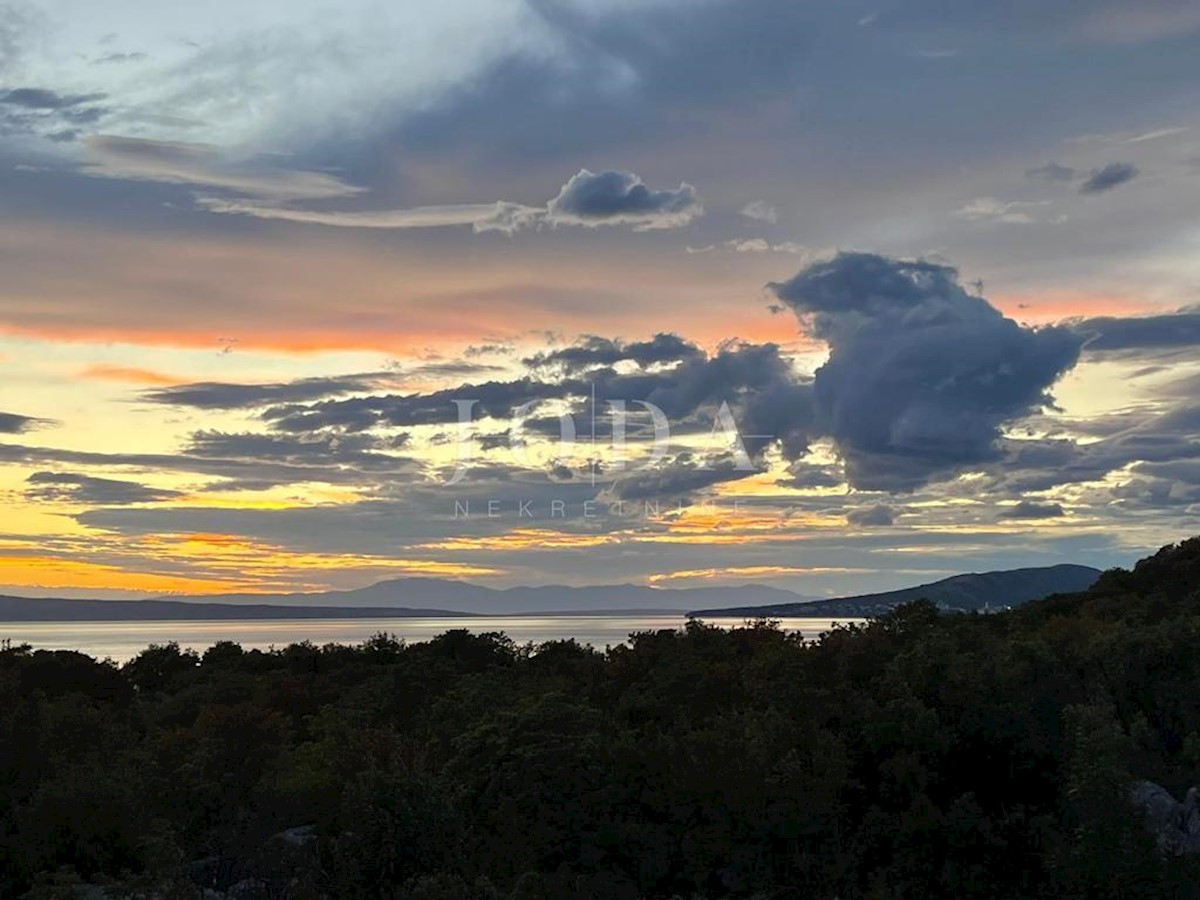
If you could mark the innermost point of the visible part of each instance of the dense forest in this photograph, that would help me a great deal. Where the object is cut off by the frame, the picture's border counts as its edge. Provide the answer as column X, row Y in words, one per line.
column 919, row 756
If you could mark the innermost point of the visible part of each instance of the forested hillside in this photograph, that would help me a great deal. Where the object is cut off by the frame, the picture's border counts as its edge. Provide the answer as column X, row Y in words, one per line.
column 920, row 756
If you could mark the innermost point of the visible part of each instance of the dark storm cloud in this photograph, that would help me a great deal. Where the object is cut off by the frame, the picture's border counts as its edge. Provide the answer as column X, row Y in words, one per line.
column 1115, row 334
column 922, row 375
column 224, row 395
column 921, row 380
column 69, row 487
column 612, row 197
column 1052, row 171
column 1110, row 176
column 1027, row 509
column 878, row 516
column 12, row 423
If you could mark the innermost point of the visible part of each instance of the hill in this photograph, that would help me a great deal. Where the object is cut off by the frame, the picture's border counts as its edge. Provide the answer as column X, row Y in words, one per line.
column 976, row 592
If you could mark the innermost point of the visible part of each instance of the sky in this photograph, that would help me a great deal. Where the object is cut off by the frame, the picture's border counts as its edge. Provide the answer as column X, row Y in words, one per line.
column 834, row 297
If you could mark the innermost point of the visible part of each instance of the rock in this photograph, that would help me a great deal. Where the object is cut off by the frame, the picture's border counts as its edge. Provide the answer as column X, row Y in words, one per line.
column 1175, row 825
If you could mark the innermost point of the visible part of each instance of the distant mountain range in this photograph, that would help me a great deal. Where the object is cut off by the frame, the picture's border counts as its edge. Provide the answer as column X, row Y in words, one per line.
column 975, row 592
column 434, row 597
column 459, row 596
column 46, row 609
column 398, row 598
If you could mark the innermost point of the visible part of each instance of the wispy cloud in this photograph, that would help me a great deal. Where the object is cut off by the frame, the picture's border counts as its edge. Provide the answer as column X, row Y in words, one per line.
column 588, row 199
column 1013, row 212
column 135, row 159
column 1051, row 171
column 760, row 211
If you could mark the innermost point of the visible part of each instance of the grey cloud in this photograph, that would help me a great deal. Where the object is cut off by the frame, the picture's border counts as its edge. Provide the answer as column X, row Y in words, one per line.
column 448, row 369
column 494, row 399
column 49, row 114
column 802, row 475
column 878, row 516
column 494, row 441
column 65, row 487
column 765, row 395
column 1052, row 171
column 1027, row 509
column 118, row 58
column 677, row 478
column 1116, row 334
column 358, row 450
column 1187, row 471
column 43, row 99
column 921, row 376
column 476, row 350
column 13, row 423
column 1147, row 439
column 587, row 199
column 594, row 351
column 614, row 198
column 224, row 395
column 1156, row 494
column 262, row 471
column 1110, row 176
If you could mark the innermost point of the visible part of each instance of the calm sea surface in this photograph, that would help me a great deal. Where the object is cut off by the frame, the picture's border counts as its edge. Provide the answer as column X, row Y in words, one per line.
column 124, row 640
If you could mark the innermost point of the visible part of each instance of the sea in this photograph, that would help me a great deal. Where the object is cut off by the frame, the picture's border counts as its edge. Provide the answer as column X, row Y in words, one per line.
column 121, row 641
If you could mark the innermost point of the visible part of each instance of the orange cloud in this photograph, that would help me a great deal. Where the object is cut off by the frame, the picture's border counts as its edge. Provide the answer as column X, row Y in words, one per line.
column 746, row 572
column 130, row 375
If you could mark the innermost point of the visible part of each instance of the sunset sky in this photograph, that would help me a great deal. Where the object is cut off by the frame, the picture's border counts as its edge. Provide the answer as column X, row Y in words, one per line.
column 940, row 262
